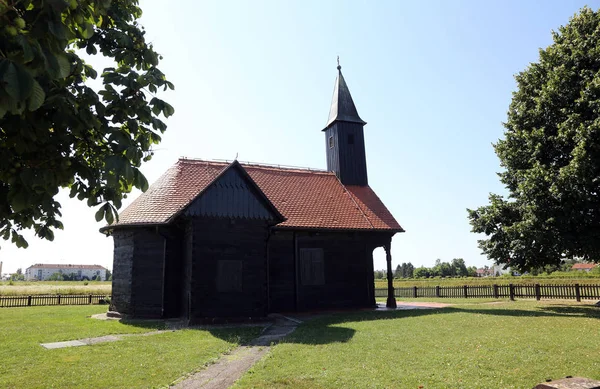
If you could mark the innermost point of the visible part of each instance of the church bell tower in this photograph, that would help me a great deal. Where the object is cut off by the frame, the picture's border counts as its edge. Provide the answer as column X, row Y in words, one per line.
column 344, row 137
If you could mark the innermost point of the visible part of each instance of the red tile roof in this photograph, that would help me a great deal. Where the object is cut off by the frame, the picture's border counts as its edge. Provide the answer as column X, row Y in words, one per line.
column 584, row 266
column 306, row 198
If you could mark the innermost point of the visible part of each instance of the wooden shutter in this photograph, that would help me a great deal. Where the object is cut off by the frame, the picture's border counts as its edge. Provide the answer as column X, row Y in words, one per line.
column 312, row 267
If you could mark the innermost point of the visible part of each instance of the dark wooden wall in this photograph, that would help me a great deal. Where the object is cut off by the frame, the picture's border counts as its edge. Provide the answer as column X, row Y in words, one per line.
column 219, row 239
column 348, row 271
column 174, row 272
column 122, row 271
column 186, row 275
column 173, row 288
column 138, row 265
column 348, row 161
column 148, row 273
column 282, row 277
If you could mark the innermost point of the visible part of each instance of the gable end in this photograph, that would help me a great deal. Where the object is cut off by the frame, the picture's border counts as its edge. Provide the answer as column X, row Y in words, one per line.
column 234, row 195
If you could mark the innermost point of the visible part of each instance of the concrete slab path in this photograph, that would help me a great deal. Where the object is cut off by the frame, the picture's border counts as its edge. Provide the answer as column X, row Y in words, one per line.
column 231, row 367
column 99, row 339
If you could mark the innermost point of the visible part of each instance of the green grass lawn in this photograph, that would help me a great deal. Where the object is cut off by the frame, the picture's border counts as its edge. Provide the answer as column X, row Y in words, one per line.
column 136, row 362
column 502, row 345
column 26, row 288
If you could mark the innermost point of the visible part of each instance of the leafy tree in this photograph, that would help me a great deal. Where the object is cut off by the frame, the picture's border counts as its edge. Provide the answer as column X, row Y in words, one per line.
column 551, row 156
column 69, row 277
column 55, row 277
column 472, row 271
column 398, row 273
column 422, row 272
column 409, row 270
column 459, row 268
column 55, row 130
column 18, row 275
column 108, row 275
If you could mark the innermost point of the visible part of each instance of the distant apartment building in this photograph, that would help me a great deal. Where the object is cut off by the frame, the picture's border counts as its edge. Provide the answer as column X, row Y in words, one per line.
column 42, row 271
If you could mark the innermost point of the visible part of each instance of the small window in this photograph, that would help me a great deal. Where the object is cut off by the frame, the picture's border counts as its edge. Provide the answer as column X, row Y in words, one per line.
column 312, row 267
column 229, row 276
column 350, row 139
column 331, row 142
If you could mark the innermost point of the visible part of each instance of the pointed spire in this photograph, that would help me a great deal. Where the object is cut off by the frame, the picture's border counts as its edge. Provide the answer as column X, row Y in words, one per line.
column 342, row 105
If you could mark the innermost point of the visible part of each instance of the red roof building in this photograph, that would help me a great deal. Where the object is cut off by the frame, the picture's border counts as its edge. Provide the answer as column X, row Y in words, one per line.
column 220, row 239
column 584, row 266
column 306, row 198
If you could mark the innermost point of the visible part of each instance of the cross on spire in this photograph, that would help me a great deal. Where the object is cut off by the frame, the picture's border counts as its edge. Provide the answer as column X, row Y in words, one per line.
column 342, row 106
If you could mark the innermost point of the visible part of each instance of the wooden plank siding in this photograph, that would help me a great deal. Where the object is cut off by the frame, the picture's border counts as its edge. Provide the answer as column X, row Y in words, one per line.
column 147, row 286
column 230, row 196
column 282, row 279
column 348, row 259
column 348, row 160
column 173, row 285
column 219, row 239
column 122, row 270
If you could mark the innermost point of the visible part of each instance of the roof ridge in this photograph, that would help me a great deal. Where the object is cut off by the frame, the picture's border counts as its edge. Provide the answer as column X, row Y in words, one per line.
column 355, row 203
column 226, row 162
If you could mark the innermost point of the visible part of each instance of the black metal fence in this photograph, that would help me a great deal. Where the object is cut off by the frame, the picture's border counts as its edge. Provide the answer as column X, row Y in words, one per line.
column 537, row 291
column 57, row 299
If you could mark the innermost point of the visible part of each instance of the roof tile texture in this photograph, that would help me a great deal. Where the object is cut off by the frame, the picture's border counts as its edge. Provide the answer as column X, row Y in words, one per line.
column 306, row 198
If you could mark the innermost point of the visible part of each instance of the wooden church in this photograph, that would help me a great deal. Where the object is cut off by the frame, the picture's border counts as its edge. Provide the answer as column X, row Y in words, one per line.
column 232, row 240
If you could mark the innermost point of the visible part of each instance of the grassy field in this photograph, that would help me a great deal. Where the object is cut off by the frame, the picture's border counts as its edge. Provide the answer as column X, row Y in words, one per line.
column 24, row 288
column 499, row 345
column 424, row 282
column 152, row 361
column 104, row 287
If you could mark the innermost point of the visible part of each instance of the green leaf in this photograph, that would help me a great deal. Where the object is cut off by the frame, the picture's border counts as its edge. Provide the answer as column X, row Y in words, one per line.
column 19, row 201
column 18, row 83
column 168, row 110
column 87, row 31
column 27, row 49
column 37, row 97
column 109, row 216
column 57, row 29
column 128, row 172
column 140, row 181
column 100, row 214
column 64, row 66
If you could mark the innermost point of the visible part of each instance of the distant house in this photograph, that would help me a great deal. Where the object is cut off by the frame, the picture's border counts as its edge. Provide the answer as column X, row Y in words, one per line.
column 584, row 266
column 482, row 272
column 43, row 271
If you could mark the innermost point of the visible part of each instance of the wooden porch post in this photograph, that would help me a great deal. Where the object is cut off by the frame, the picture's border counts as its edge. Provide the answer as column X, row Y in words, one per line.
column 391, row 299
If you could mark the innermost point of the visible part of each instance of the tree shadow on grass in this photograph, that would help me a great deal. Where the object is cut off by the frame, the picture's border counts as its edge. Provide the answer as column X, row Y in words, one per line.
column 329, row 328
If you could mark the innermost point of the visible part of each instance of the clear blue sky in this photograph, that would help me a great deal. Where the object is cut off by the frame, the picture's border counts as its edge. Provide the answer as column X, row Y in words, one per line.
column 432, row 79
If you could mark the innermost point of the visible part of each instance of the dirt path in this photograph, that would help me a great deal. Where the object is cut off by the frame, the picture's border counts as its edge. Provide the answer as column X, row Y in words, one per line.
column 231, row 367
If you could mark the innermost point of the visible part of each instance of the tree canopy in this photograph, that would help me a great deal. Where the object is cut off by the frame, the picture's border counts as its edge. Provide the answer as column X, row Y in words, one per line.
column 550, row 154
column 55, row 130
